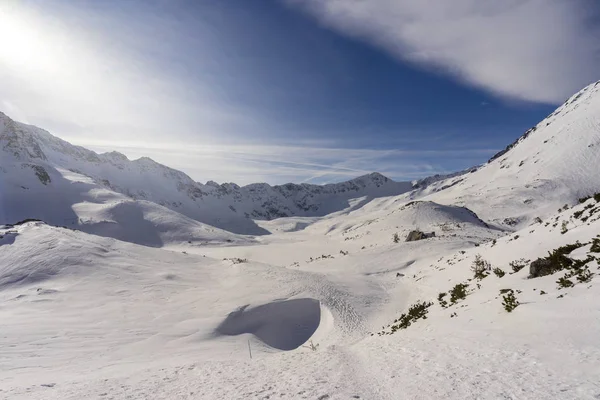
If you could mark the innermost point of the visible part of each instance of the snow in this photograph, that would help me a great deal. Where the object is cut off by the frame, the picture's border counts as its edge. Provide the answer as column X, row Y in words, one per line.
column 142, row 301
column 556, row 163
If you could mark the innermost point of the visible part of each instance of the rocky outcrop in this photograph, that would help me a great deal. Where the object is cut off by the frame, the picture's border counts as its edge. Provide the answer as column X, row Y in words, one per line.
column 418, row 235
column 540, row 267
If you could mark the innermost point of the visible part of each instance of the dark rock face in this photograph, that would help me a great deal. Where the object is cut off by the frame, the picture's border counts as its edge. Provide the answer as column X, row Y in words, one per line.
column 540, row 267
column 418, row 235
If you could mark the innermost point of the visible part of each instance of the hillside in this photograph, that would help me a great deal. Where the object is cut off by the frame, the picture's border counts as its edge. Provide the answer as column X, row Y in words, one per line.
column 552, row 164
column 500, row 303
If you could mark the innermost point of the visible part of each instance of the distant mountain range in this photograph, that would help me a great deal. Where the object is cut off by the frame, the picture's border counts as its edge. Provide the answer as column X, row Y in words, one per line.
column 44, row 177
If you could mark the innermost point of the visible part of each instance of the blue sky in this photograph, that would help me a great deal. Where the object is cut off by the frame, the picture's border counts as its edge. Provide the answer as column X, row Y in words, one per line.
column 295, row 90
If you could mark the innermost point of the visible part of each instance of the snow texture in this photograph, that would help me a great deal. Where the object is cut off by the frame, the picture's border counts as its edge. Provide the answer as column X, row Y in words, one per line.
column 142, row 300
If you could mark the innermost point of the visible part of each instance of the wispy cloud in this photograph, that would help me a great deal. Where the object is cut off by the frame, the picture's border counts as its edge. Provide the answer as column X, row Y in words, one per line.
column 532, row 50
column 282, row 164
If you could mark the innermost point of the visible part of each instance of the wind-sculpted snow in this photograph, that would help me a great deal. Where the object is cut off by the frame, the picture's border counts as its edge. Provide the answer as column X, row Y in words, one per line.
column 284, row 324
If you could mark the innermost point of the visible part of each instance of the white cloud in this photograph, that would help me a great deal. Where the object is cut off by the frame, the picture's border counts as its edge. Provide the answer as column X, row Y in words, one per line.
column 532, row 50
column 296, row 163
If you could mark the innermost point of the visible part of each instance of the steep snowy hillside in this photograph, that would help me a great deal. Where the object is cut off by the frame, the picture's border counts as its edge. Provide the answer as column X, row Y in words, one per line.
column 33, row 160
column 554, row 163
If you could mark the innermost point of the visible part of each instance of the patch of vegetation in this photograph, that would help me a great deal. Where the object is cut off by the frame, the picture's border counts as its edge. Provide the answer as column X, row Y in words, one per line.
column 595, row 196
column 518, row 265
column 458, row 292
column 443, row 302
column 236, row 260
column 578, row 214
column 584, row 275
column 595, row 245
column 396, row 238
column 564, row 283
column 555, row 261
column 563, row 227
column 480, row 267
column 415, row 312
column 498, row 272
column 504, row 291
column 510, row 302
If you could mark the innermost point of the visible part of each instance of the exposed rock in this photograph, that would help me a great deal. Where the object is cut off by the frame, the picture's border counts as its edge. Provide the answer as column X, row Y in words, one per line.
column 418, row 235
column 540, row 267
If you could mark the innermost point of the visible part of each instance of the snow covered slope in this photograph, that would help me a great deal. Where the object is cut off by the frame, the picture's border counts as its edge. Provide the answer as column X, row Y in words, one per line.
column 33, row 164
column 305, row 314
column 554, row 163
column 326, row 307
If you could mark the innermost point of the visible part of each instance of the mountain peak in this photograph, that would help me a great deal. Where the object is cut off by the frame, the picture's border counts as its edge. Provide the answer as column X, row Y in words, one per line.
column 115, row 155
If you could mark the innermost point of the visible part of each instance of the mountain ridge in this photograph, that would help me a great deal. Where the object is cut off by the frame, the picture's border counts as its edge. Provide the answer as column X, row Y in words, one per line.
column 227, row 206
column 549, row 165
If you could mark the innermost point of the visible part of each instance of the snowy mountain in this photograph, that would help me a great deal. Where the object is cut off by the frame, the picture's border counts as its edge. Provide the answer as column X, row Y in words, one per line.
column 498, row 304
column 552, row 164
column 47, row 178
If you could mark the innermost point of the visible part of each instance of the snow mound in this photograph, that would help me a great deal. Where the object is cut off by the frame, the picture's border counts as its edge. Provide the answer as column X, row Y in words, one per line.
column 34, row 252
column 284, row 325
column 428, row 214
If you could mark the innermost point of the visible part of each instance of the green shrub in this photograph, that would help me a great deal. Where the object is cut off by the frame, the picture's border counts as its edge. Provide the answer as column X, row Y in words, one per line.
column 458, row 292
column 443, row 302
column 518, row 265
column 510, row 302
column 415, row 312
column 498, row 272
column 564, row 283
column 595, row 196
column 584, row 275
column 480, row 267
column 595, row 245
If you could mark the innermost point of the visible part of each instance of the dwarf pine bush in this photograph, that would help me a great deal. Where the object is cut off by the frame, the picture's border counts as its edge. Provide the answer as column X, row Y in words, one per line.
column 498, row 272
column 564, row 283
column 480, row 267
column 458, row 292
column 510, row 302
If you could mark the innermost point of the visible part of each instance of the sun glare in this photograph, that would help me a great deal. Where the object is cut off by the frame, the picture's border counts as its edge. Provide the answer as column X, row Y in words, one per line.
column 23, row 44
